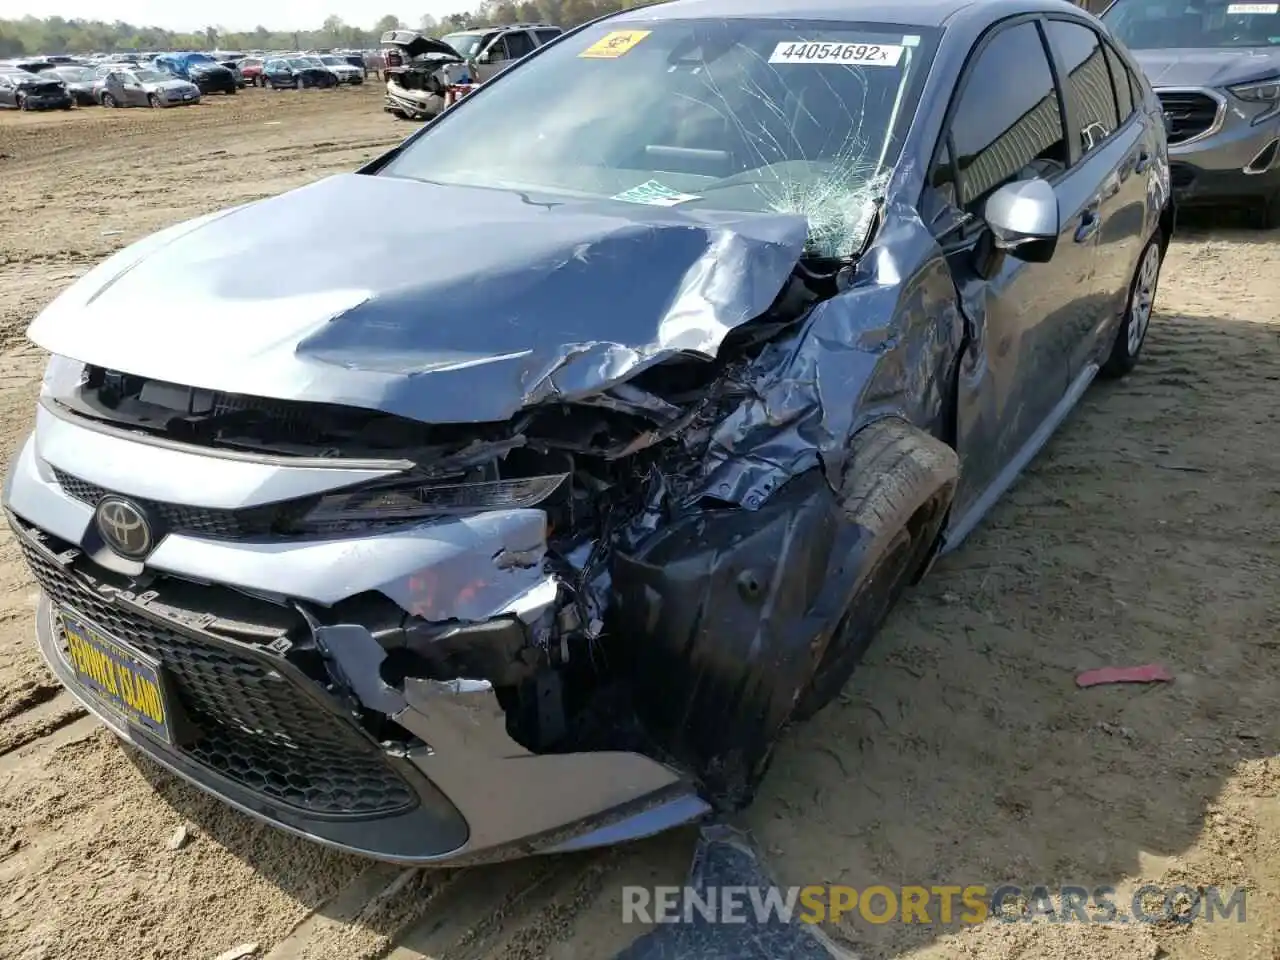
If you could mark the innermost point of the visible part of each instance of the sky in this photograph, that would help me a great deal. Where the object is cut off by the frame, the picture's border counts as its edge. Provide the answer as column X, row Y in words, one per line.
column 234, row 15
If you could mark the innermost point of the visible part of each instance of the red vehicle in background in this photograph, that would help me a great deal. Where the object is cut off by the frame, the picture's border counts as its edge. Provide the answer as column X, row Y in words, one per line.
column 251, row 70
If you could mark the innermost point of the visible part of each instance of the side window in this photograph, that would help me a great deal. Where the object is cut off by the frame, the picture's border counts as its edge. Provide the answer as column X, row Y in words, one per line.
column 1135, row 89
column 1120, row 81
column 497, row 50
column 939, row 206
column 1008, row 124
column 546, row 36
column 1088, row 79
column 519, row 44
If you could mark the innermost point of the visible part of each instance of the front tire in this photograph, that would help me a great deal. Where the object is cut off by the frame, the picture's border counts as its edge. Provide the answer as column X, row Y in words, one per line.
column 21, row 100
column 1137, row 311
column 1269, row 215
column 109, row 101
column 153, row 100
column 899, row 489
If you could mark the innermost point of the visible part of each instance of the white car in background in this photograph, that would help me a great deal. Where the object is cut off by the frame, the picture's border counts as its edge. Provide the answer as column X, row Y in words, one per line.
column 340, row 67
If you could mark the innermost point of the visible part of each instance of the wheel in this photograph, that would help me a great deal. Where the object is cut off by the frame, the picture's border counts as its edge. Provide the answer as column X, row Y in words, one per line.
column 899, row 490
column 1137, row 312
column 21, row 101
column 153, row 100
column 109, row 101
column 231, row 92
column 1269, row 214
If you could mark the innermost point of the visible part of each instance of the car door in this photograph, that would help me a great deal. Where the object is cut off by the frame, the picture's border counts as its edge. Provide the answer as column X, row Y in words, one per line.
column 134, row 94
column 7, row 98
column 1115, row 149
column 277, row 72
column 1006, row 124
column 114, row 85
column 492, row 60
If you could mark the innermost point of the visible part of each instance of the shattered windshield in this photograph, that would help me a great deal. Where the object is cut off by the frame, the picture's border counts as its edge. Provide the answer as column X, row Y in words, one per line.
column 1167, row 25
column 744, row 114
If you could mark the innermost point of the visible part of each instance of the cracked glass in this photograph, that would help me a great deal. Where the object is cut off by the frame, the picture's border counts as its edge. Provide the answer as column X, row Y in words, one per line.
column 750, row 115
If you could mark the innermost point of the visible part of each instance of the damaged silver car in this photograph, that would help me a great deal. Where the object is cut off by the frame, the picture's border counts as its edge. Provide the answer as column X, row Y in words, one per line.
column 537, row 538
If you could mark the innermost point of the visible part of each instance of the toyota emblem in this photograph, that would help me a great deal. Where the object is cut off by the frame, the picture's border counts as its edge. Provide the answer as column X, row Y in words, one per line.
column 124, row 527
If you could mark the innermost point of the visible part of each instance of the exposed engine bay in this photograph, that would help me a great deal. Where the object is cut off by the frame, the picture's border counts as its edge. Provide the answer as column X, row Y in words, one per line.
column 418, row 72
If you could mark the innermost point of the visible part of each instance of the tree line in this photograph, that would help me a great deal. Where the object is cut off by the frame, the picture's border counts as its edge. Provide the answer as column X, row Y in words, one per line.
column 31, row 36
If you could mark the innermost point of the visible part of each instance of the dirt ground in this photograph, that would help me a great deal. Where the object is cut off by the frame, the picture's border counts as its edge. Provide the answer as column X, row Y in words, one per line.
column 961, row 753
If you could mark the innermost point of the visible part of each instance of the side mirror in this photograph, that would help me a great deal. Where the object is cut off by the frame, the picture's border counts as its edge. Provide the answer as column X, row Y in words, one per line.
column 1024, row 220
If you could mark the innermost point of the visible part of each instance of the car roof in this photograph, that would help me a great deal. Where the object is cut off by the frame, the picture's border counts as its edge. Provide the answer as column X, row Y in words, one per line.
column 924, row 13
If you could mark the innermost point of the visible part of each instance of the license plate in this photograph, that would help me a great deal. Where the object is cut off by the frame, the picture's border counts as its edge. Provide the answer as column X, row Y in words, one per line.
column 120, row 677
column 186, row 96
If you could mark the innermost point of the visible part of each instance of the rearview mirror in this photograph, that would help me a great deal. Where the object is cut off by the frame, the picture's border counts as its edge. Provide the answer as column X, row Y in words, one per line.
column 1024, row 220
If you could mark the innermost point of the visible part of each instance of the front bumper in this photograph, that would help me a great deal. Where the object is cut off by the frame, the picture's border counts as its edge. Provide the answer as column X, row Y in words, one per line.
column 207, row 84
column 49, row 102
column 415, row 104
column 275, row 738
column 1236, row 160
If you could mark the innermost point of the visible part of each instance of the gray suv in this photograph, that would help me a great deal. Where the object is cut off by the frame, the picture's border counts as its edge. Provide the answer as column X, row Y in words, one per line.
column 1215, row 64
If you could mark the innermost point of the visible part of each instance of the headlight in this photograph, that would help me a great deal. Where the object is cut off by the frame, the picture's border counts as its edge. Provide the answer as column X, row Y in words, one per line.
column 1261, row 91
column 417, row 501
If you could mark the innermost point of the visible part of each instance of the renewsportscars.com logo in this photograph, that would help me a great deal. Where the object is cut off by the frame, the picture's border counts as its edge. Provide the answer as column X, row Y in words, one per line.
column 943, row 904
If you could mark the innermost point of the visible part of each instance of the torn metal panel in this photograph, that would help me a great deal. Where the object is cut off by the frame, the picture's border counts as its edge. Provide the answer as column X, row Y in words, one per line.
column 875, row 349
column 576, row 298
column 725, row 614
column 726, row 859
column 471, row 580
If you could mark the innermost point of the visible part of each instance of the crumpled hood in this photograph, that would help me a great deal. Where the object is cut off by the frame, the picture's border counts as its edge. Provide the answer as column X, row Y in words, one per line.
column 1207, row 68
column 441, row 303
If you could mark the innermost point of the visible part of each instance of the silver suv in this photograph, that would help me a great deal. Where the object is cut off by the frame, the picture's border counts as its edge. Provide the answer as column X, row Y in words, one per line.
column 420, row 68
column 492, row 48
column 1215, row 64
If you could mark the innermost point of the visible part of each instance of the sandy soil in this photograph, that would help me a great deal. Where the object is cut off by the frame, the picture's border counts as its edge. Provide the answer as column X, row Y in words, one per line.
column 961, row 753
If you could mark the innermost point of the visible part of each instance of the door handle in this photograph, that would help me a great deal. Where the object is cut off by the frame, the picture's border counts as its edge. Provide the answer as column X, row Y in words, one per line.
column 1144, row 161
column 1089, row 224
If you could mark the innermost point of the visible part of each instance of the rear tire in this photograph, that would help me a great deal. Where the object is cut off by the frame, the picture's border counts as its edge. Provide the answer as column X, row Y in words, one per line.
column 1137, row 311
column 899, row 489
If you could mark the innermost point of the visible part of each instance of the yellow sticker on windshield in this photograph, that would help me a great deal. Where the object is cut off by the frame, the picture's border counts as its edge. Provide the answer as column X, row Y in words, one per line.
column 614, row 44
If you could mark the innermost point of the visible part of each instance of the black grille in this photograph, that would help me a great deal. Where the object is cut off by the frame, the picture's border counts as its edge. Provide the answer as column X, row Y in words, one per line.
column 254, row 726
column 1187, row 115
column 268, row 520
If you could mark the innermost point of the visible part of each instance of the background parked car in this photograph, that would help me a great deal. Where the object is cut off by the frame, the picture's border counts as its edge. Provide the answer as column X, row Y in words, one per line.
column 251, row 71
column 234, row 67
column 493, row 49
column 200, row 68
column 297, row 73
column 124, row 87
column 28, row 91
column 345, row 71
column 1216, row 67
column 78, row 80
